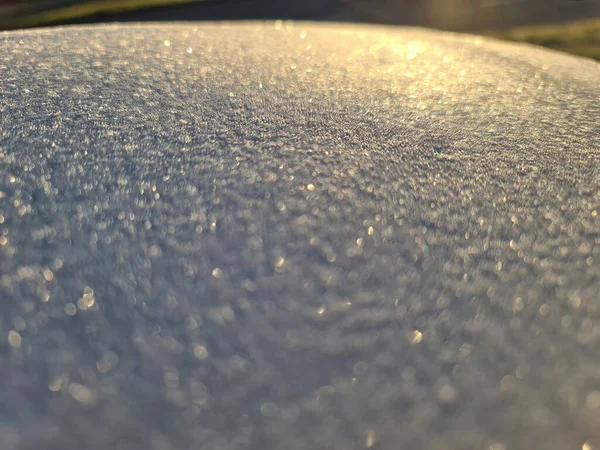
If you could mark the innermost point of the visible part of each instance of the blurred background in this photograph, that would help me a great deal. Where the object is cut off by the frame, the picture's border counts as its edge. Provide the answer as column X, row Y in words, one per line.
column 568, row 25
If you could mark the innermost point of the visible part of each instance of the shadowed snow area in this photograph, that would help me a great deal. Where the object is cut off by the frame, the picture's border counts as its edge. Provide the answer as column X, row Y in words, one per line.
column 296, row 236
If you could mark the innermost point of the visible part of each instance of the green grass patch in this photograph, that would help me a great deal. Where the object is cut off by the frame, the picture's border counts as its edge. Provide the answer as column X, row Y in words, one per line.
column 578, row 38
